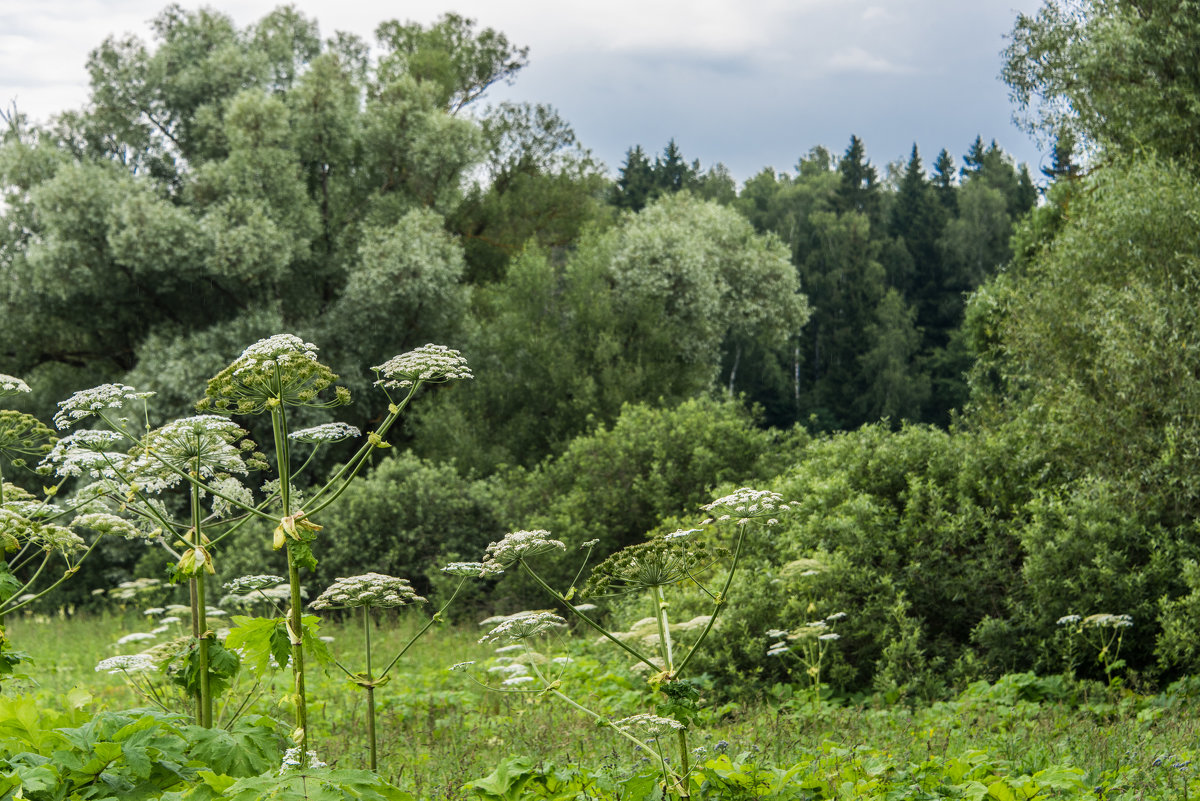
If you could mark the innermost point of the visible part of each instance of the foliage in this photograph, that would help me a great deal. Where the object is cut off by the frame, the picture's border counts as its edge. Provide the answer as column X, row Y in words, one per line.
column 638, row 313
column 1119, row 72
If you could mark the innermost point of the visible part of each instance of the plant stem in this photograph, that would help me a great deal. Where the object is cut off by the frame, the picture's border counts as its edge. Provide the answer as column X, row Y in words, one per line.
column 370, row 686
column 295, row 623
column 200, row 613
column 721, row 600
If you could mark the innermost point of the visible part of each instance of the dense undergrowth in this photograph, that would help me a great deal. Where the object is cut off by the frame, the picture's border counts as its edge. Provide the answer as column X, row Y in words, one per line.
column 444, row 737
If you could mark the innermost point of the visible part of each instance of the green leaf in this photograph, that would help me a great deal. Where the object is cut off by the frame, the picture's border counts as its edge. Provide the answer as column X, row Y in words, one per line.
column 249, row 749
column 641, row 788
column 506, row 781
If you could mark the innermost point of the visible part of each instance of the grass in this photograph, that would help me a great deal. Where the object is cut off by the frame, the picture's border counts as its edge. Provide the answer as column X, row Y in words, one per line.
column 438, row 730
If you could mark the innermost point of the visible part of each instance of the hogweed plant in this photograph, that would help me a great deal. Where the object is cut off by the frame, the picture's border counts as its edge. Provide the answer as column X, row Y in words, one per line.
column 373, row 591
column 1102, row 633
column 807, row 645
column 36, row 533
column 281, row 373
column 653, row 569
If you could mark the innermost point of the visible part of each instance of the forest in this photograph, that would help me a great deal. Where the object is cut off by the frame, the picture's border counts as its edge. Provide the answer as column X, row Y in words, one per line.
column 962, row 390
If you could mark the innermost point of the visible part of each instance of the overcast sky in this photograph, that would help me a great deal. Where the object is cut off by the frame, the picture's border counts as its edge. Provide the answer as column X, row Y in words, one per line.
column 750, row 83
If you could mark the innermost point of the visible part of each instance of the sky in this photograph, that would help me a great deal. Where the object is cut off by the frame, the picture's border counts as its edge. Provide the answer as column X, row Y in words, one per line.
column 747, row 83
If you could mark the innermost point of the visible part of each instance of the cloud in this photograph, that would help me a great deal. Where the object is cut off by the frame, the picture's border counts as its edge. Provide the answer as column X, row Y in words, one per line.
column 857, row 59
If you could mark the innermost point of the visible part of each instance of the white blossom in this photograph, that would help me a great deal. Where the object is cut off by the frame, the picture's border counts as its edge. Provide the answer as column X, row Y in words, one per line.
column 326, row 432
column 137, row 636
column 523, row 625
column 748, row 504
column 369, row 589
column 125, row 663
column 464, row 569
column 649, row 725
column 85, row 403
column 11, row 385
column 428, row 363
column 515, row 680
column 110, row 524
column 518, row 545
column 244, row 585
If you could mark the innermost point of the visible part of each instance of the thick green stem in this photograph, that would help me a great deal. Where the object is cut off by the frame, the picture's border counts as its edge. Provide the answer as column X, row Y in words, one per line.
column 721, row 599
column 370, row 687
column 295, row 622
column 200, row 613
column 685, row 790
column 664, row 630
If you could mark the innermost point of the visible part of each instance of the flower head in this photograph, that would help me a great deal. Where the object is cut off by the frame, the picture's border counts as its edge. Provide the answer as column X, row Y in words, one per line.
column 522, row 626
column 244, row 585
column 282, row 369
column 648, row 725
column 105, row 523
column 86, row 451
column 431, row 364
column 11, row 385
column 516, row 546
column 748, row 504
column 126, row 663
column 473, row 569
column 656, row 563
column 326, row 433
column 23, row 435
column 369, row 589
column 87, row 402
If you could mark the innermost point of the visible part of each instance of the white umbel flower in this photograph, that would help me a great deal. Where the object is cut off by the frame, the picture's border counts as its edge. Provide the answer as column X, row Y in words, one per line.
column 11, row 385
column 431, row 364
column 87, row 402
column 369, row 589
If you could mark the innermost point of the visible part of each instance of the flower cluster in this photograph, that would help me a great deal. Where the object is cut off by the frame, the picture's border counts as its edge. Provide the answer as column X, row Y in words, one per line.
column 1105, row 620
column 244, row 585
column 86, row 451
column 126, row 663
column 648, row 725
column 11, row 385
column 472, row 569
column 657, row 563
column 748, row 504
column 431, row 364
column 369, row 589
column 518, row 545
column 326, row 432
column 291, row 761
column 522, row 626
column 282, row 369
column 216, row 445
column 87, row 402
column 23, row 435
column 105, row 523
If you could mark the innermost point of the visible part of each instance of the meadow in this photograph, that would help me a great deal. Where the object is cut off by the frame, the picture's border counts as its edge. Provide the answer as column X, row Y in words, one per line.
column 1017, row 738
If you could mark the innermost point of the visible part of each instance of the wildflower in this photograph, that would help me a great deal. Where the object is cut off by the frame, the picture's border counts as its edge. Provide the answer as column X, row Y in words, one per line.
column 515, row 680
column 235, row 493
column 516, row 546
column 775, row 634
column 291, row 760
column 523, row 625
column 137, row 636
column 1067, row 620
column 11, row 385
column 835, row 616
column 59, row 539
column 86, row 451
column 778, row 649
column 464, row 569
column 369, row 589
column 680, row 533
column 154, row 610
column 244, row 585
column 509, row 669
column 326, row 432
column 656, row 563
column 833, row 635
column 461, row 666
column 23, row 435
column 282, row 369
column 110, row 524
column 125, row 663
column 1105, row 620
column 432, row 364
column 748, row 504
column 87, row 402
column 649, row 725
